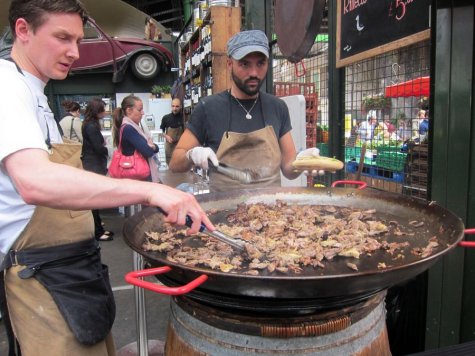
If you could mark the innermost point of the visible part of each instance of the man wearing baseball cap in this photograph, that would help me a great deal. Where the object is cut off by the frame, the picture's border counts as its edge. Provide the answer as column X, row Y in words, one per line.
column 241, row 127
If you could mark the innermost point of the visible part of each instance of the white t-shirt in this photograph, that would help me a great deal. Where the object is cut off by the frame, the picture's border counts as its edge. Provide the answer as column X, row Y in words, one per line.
column 366, row 131
column 25, row 118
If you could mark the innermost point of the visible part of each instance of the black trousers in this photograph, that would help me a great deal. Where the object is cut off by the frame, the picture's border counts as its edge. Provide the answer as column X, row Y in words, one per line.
column 98, row 228
column 13, row 347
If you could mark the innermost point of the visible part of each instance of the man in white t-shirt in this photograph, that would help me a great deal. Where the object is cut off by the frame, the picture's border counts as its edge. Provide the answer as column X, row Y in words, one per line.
column 366, row 129
column 36, row 229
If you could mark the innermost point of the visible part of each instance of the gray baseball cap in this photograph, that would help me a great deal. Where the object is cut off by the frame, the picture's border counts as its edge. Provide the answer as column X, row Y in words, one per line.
column 245, row 42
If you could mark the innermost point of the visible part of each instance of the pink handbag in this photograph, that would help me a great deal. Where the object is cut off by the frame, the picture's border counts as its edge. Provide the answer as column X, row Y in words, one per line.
column 133, row 167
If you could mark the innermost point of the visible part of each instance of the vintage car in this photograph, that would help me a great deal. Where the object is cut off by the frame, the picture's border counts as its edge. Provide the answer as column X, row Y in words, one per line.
column 100, row 52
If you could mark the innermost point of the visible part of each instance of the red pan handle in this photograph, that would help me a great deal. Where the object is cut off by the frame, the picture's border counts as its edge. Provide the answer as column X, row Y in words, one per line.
column 133, row 278
column 361, row 184
column 468, row 243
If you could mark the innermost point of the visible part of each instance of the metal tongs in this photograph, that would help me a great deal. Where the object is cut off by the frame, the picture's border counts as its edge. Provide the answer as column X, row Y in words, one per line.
column 234, row 242
column 245, row 176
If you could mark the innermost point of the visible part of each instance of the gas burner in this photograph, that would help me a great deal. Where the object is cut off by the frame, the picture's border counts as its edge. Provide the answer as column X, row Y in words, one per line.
column 266, row 305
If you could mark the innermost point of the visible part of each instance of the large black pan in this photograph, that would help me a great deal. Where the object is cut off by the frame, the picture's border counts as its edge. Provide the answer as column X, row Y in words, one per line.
column 336, row 280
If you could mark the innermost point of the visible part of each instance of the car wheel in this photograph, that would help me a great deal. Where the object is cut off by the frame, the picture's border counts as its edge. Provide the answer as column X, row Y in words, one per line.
column 145, row 66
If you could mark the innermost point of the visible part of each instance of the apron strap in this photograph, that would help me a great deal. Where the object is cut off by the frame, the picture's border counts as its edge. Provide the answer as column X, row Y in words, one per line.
column 71, row 129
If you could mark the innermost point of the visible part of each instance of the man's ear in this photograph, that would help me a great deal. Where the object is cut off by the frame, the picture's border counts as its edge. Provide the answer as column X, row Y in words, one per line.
column 22, row 29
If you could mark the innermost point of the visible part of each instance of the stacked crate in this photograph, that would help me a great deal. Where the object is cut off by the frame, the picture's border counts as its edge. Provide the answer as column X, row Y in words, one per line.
column 416, row 177
column 308, row 90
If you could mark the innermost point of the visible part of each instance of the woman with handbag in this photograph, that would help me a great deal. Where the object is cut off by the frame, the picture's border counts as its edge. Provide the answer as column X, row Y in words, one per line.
column 94, row 155
column 133, row 143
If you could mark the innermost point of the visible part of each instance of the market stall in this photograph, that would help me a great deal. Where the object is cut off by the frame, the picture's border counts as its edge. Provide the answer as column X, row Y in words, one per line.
column 415, row 87
column 390, row 139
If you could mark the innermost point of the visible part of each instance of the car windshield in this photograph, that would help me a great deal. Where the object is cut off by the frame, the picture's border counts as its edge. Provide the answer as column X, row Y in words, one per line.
column 91, row 32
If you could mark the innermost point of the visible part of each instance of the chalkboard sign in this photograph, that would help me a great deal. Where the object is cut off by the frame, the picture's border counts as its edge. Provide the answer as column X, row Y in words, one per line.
column 366, row 28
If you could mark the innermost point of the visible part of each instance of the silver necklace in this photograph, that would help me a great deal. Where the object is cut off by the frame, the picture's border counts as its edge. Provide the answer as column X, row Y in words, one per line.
column 248, row 113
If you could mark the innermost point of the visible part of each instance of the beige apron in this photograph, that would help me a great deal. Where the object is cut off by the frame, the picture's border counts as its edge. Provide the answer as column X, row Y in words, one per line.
column 175, row 134
column 37, row 322
column 258, row 151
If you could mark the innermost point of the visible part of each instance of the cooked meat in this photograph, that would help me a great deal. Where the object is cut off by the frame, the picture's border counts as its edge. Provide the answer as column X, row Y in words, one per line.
column 427, row 250
column 416, row 223
column 286, row 238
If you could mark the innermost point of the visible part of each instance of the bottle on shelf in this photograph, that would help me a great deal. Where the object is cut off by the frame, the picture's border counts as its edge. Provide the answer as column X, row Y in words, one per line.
column 187, row 97
column 186, row 67
column 210, row 82
column 200, row 55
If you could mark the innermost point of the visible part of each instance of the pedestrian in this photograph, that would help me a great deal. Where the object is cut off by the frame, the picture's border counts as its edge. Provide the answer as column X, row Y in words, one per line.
column 94, row 155
column 423, row 117
column 57, row 290
column 71, row 123
column 404, row 131
column 366, row 128
column 172, row 127
column 129, row 135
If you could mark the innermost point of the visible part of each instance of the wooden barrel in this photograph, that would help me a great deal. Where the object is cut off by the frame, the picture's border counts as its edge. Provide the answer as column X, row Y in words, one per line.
column 189, row 336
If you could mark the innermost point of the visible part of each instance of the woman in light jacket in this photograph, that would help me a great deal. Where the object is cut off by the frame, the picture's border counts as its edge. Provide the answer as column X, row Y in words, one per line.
column 127, row 118
column 94, row 155
column 71, row 123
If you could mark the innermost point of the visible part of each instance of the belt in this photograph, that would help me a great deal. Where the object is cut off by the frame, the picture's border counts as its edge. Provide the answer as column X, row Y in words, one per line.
column 34, row 257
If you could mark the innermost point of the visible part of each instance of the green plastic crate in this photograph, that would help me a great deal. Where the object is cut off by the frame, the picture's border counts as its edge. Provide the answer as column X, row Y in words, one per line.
column 388, row 148
column 352, row 153
column 393, row 161
column 323, row 147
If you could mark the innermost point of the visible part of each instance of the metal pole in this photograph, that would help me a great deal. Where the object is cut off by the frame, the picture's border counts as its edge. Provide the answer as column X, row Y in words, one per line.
column 139, row 293
column 140, row 314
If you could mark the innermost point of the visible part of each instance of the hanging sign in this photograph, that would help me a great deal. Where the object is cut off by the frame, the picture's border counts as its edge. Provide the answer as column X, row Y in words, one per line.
column 366, row 28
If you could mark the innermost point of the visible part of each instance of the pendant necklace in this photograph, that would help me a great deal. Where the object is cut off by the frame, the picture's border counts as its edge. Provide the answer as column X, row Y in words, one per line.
column 248, row 113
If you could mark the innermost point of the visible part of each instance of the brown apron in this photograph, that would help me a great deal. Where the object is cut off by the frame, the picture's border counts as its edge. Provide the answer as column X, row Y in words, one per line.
column 258, row 151
column 175, row 134
column 37, row 322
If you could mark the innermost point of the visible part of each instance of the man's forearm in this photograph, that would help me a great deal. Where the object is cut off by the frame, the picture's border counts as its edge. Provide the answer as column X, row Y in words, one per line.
column 179, row 161
column 61, row 186
column 42, row 182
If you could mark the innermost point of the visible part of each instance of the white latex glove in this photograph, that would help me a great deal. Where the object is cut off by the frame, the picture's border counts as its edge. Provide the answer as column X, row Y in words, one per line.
column 311, row 152
column 200, row 156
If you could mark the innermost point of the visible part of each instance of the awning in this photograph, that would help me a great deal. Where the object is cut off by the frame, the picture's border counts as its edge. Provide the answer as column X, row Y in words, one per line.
column 414, row 87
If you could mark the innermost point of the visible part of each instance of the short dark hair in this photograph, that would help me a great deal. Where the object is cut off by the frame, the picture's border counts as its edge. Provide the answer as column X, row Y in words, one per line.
column 35, row 11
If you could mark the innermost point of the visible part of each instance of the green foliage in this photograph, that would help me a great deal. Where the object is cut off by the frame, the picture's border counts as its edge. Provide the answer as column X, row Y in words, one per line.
column 376, row 102
column 160, row 89
column 166, row 89
column 156, row 89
